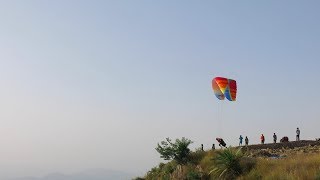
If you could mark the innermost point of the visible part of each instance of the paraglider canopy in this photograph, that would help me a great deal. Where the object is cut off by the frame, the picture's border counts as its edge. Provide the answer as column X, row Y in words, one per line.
column 224, row 88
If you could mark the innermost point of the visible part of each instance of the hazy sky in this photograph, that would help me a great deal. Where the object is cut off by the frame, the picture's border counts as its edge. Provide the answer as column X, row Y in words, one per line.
column 97, row 84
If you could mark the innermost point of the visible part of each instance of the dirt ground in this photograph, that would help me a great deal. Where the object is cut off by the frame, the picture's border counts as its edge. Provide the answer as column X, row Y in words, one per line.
column 291, row 144
column 281, row 150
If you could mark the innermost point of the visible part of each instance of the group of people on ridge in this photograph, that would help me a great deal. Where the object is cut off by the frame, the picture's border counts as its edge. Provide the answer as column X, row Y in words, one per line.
column 262, row 139
column 246, row 140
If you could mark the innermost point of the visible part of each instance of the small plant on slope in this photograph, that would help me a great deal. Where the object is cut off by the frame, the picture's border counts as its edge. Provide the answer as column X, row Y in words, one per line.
column 177, row 151
column 227, row 164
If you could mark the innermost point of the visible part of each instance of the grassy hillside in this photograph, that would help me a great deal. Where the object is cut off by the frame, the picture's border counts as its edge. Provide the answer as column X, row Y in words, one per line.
column 298, row 166
column 271, row 161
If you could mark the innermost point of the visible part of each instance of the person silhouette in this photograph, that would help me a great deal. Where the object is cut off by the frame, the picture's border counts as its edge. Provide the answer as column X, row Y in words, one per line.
column 274, row 138
column 246, row 141
column 240, row 140
column 262, row 139
column 298, row 134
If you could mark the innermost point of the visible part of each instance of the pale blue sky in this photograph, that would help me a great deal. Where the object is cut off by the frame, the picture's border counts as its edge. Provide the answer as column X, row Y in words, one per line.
column 97, row 84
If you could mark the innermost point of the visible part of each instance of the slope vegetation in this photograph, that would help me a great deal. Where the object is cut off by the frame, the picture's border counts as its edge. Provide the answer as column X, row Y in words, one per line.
column 290, row 160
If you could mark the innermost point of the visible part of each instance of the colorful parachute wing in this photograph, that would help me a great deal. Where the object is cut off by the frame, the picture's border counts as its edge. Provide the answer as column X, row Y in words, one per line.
column 219, row 85
column 224, row 88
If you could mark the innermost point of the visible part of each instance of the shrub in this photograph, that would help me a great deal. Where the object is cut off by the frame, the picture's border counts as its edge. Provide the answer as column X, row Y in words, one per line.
column 196, row 157
column 177, row 151
column 162, row 171
column 153, row 173
column 227, row 164
column 169, row 168
column 317, row 176
column 193, row 175
column 138, row 178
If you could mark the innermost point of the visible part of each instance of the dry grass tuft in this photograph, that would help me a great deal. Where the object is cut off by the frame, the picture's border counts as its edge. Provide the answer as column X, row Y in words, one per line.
column 305, row 166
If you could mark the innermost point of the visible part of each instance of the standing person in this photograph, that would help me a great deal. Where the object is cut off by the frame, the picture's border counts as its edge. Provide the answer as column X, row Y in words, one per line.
column 298, row 134
column 262, row 139
column 240, row 140
column 202, row 147
column 246, row 141
column 213, row 146
column 274, row 138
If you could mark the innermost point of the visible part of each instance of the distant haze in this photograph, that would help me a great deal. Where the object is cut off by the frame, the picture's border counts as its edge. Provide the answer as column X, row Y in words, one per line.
column 92, row 174
column 97, row 84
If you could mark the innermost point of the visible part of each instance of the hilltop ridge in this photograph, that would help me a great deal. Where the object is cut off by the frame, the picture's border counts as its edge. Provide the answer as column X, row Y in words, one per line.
column 285, row 160
column 290, row 144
